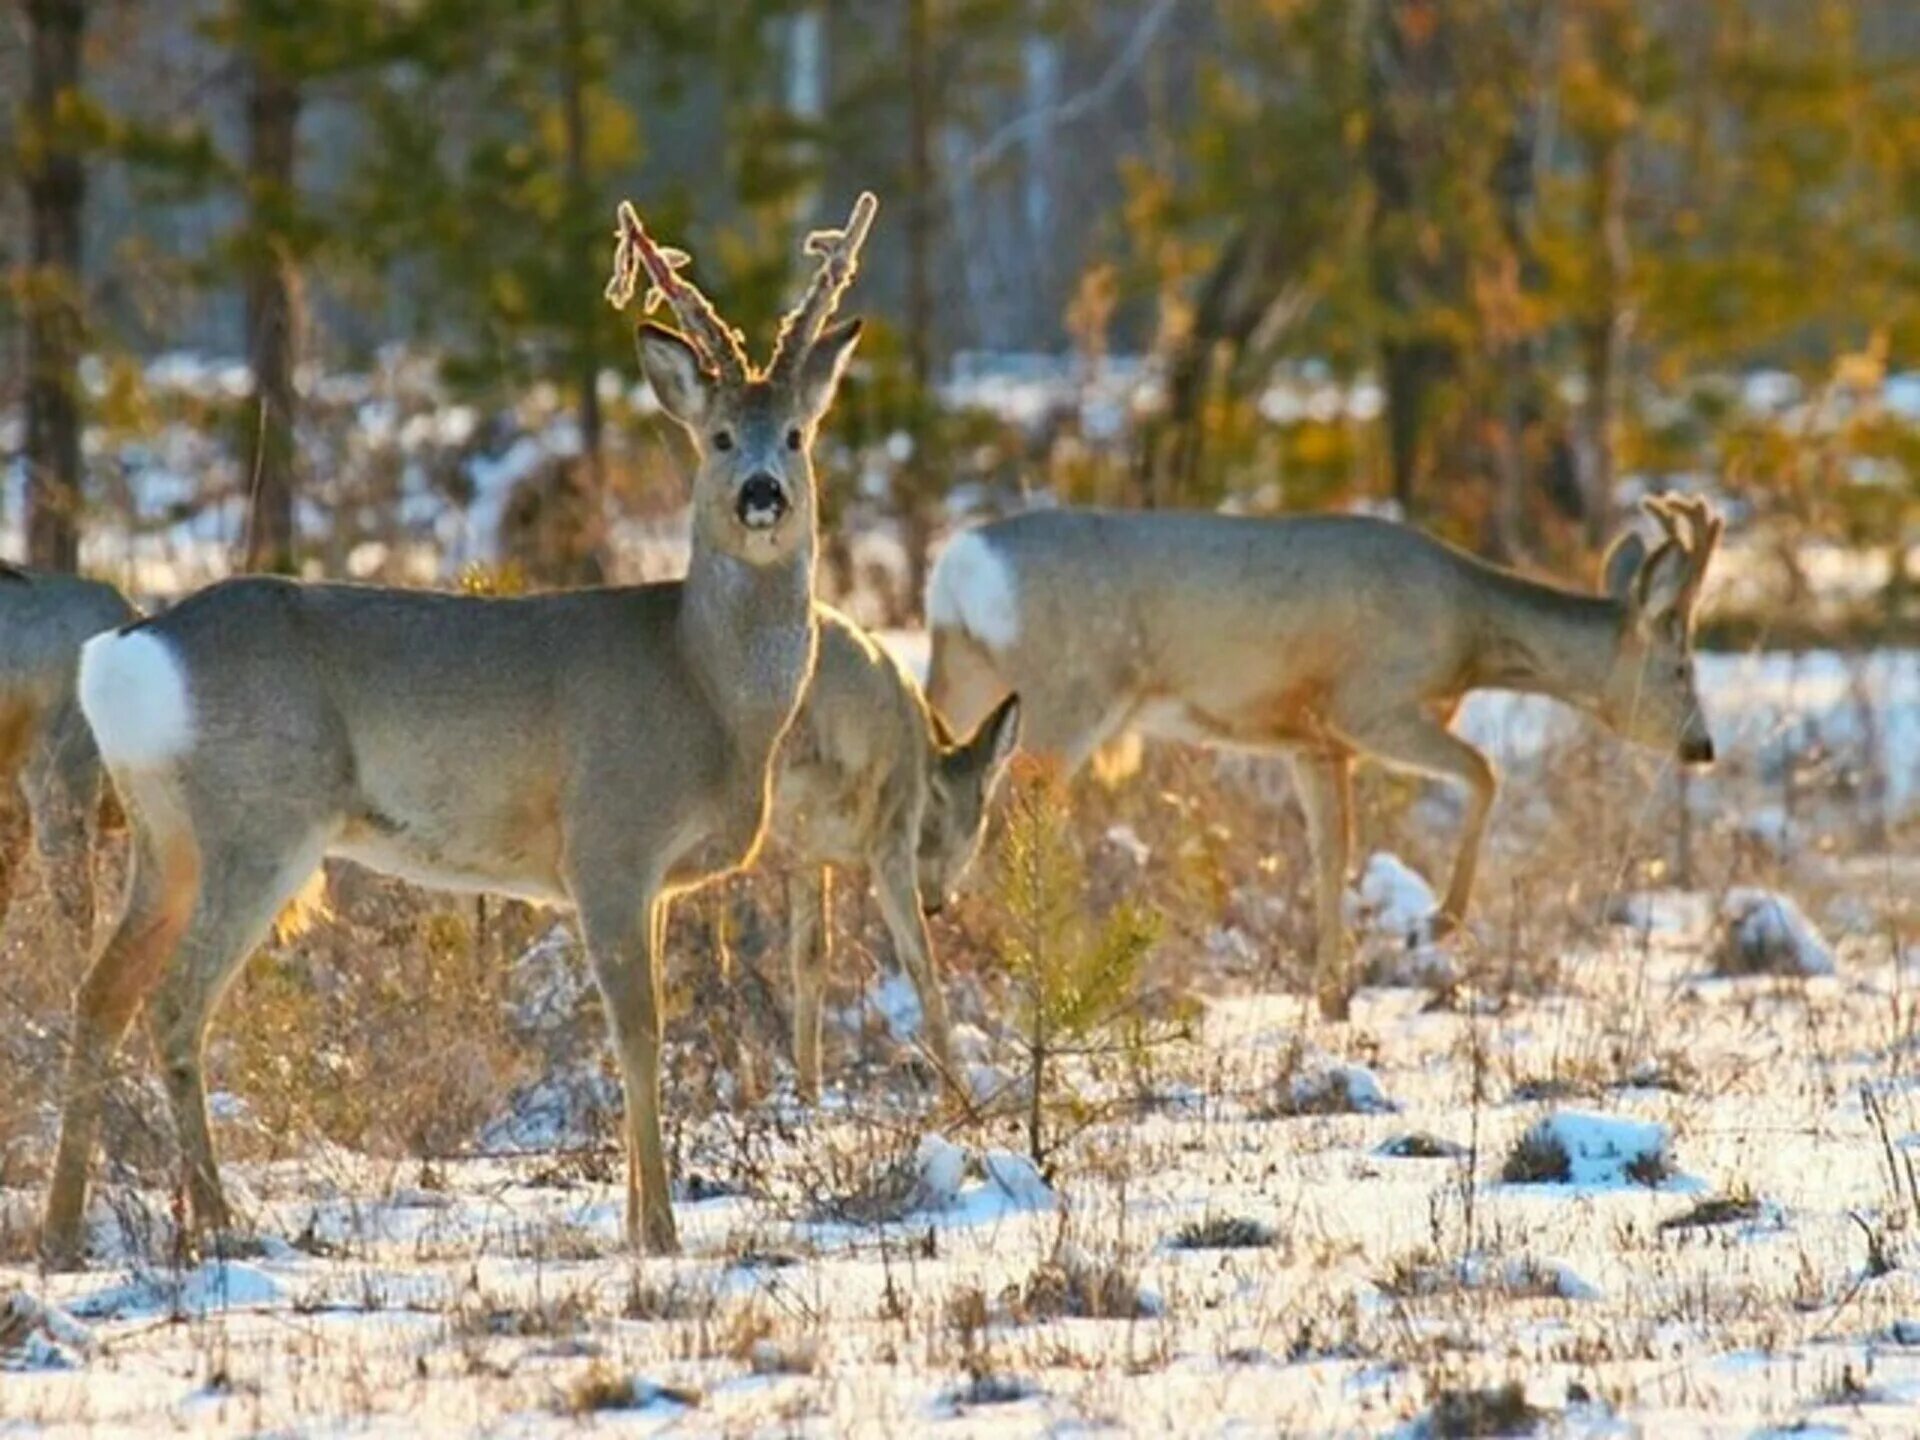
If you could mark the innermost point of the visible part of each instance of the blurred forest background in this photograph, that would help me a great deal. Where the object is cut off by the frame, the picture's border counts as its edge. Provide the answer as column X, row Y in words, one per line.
column 315, row 285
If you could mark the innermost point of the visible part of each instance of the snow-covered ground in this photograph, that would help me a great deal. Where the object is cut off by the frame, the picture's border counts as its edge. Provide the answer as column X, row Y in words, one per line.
column 1727, row 1253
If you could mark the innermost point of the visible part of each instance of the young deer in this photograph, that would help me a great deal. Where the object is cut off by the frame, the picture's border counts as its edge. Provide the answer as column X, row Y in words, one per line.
column 604, row 749
column 1327, row 637
column 49, row 768
column 870, row 776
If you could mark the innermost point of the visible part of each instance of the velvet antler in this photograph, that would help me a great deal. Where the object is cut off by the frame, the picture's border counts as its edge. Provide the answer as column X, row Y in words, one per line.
column 839, row 255
column 634, row 252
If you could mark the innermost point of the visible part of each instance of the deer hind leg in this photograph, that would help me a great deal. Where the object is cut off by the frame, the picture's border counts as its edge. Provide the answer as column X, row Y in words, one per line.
column 14, row 828
column 15, row 734
column 161, row 894
column 63, row 789
column 625, row 943
column 1416, row 741
column 899, row 893
column 244, row 888
column 809, row 941
column 1325, row 784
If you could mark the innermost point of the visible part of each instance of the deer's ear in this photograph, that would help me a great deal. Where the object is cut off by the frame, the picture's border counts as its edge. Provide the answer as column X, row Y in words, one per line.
column 992, row 745
column 1624, row 558
column 1661, row 588
column 826, row 362
column 672, row 366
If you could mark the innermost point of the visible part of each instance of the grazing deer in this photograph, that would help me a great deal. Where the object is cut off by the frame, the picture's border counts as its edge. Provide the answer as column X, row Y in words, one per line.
column 1328, row 637
column 49, row 769
column 604, row 749
column 870, row 776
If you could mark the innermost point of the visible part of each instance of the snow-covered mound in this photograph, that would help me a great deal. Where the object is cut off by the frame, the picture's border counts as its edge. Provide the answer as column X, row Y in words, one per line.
column 1334, row 1089
column 1392, row 912
column 206, row 1289
column 1679, row 916
column 1577, row 1147
column 1765, row 933
column 38, row 1335
column 1011, row 1182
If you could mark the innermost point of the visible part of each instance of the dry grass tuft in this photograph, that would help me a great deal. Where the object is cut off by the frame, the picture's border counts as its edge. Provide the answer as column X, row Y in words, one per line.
column 1474, row 1414
column 1225, row 1232
column 1739, row 1208
column 1074, row 1285
column 602, row 1387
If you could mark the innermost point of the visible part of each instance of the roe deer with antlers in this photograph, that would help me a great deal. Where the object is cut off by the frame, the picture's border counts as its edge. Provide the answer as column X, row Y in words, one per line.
column 1327, row 637
column 49, row 768
column 871, row 777
column 599, row 748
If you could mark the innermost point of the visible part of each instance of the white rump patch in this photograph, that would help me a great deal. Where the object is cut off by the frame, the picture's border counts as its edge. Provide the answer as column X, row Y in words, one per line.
column 973, row 590
column 133, row 691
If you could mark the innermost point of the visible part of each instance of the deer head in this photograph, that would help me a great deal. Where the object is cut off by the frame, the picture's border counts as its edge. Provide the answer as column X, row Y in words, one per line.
column 752, row 429
column 1651, row 696
column 965, row 774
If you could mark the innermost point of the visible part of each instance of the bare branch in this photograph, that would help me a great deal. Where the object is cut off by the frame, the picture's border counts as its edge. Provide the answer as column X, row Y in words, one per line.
column 1079, row 106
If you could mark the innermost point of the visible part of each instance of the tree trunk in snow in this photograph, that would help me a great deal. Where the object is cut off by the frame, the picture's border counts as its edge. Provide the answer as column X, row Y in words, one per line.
column 273, row 310
column 920, row 121
column 56, row 186
column 584, row 566
column 1604, row 338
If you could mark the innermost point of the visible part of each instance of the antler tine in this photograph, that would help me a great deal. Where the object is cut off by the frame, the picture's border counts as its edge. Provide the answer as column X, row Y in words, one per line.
column 634, row 252
column 1666, row 509
column 839, row 252
column 1712, row 525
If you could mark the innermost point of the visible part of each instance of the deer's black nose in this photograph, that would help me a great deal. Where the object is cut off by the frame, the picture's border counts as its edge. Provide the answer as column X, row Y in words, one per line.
column 762, row 501
column 1697, row 750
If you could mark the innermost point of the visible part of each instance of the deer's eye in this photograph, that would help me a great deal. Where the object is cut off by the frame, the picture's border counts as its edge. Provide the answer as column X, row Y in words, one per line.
column 723, row 439
column 793, row 438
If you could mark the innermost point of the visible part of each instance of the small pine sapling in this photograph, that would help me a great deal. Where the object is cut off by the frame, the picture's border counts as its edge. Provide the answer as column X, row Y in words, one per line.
column 1076, row 975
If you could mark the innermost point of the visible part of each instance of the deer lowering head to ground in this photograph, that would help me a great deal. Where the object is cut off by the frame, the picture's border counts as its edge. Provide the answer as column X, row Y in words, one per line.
column 1326, row 637
column 598, row 748
column 50, row 773
column 870, row 777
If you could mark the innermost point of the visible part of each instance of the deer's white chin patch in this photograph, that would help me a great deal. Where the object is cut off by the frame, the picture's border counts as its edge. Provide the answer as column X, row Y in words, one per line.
column 133, row 691
column 973, row 590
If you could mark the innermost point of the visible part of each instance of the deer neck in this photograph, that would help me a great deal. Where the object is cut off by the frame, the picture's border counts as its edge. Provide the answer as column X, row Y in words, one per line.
column 748, row 634
column 1545, row 641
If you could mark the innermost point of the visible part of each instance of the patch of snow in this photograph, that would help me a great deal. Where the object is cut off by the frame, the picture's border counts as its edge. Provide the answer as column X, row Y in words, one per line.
column 208, row 1288
column 1679, row 915
column 1391, row 899
column 1019, row 1179
column 942, row 1168
column 1603, row 1151
column 569, row 1109
column 1124, row 839
column 897, row 1003
column 1337, row 1089
column 38, row 1335
column 969, row 1043
column 1766, row 933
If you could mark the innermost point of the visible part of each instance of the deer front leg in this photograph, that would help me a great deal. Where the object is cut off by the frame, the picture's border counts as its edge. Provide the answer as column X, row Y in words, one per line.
column 1416, row 741
column 1325, row 784
column 624, row 944
column 809, row 940
column 899, row 894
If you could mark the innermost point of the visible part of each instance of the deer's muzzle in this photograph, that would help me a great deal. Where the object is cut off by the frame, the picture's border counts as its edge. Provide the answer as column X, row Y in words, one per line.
column 762, row 502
